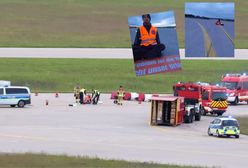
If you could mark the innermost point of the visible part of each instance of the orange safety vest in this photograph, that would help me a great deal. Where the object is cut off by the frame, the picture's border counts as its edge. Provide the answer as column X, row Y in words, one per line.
column 148, row 38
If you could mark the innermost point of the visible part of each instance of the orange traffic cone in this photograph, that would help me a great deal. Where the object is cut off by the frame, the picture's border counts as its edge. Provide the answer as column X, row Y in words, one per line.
column 56, row 94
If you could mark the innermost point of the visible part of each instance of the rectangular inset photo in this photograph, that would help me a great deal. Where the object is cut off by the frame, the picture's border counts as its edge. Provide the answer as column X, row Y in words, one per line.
column 209, row 29
column 154, row 43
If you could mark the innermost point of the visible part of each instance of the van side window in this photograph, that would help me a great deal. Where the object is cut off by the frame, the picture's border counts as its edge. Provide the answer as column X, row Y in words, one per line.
column 240, row 84
column 205, row 95
column 1, row 91
column 245, row 85
column 180, row 88
column 16, row 91
column 218, row 121
column 192, row 88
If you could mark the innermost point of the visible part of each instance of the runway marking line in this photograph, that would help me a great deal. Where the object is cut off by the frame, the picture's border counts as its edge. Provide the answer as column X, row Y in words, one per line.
column 209, row 48
column 228, row 36
column 24, row 137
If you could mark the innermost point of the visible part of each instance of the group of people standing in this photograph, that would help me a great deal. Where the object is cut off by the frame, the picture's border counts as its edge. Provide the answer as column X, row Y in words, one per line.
column 82, row 97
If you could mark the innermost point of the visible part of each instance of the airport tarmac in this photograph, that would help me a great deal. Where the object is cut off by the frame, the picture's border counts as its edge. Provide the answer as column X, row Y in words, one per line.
column 115, row 132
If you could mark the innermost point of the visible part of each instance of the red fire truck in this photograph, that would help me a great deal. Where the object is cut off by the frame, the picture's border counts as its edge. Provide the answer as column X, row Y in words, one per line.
column 214, row 99
column 237, row 87
column 192, row 95
column 201, row 98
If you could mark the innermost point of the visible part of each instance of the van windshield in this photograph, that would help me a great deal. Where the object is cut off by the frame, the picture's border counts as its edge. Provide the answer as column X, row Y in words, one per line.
column 230, row 123
column 219, row 96
column 230, row 85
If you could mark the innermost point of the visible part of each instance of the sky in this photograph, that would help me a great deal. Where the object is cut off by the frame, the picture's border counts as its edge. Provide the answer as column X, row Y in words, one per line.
column 211, row 10
column 161, row 19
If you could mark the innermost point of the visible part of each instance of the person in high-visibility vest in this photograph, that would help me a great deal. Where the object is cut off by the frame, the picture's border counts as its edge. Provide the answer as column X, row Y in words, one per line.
column 82, row 95
column 147, row 42
column 120, row 95
column 95, row 96
column 76, row 92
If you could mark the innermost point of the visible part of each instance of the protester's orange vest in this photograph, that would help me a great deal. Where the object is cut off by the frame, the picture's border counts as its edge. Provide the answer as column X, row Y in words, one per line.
column 148, row 38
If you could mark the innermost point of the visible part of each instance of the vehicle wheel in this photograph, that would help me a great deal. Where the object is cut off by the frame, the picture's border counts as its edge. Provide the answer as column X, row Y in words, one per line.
column 12, row 105
column 209, row 133
column 187, row 119
column 236, row 136
column 236, row 101
column 218, row 134
column 21, row 104
column 219, row 114
column 198, row 116
column 202, row 111
column 191, row 119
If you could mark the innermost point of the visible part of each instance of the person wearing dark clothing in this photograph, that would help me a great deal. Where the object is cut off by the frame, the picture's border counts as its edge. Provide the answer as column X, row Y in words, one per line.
column 95, row 96
column 82, row 95
column 219, row 23
column 147, row 43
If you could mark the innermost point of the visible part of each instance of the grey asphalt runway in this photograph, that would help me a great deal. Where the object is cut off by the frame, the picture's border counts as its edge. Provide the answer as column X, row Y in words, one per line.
column 110, row 53
column 115, row 132
column 222, row 44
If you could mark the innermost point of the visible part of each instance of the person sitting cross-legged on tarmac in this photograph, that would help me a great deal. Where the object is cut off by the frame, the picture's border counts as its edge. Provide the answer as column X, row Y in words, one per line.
column 87, row 99
column 219, row 23
column 95, row 96
column 82, row 95
column 147, row 43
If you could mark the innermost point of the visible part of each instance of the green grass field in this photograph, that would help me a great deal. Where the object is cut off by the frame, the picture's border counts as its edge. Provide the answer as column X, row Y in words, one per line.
column 243, row 122
column 52, row 161
column 50, row 75
column 90, row 23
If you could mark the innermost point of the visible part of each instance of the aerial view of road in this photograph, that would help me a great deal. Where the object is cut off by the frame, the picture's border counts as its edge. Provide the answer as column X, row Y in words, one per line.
column 221, row 37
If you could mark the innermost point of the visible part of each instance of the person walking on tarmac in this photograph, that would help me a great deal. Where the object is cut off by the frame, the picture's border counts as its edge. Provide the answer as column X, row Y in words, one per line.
column 95, row 96
column 120, row 95
column 76, row 92
column 82, row 95
column 147, row 42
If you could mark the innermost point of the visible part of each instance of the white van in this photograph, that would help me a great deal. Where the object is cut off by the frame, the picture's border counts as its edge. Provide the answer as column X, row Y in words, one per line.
column 15, row 95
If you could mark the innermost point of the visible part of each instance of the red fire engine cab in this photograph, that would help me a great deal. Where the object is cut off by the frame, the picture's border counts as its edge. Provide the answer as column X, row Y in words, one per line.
column 214, row 99
column 237, row 87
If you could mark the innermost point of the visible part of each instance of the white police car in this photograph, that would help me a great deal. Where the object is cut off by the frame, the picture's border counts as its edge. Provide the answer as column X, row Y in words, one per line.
column 224, row 126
